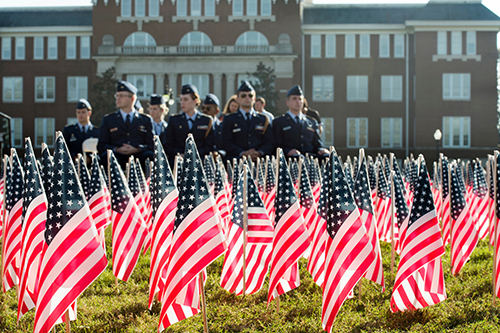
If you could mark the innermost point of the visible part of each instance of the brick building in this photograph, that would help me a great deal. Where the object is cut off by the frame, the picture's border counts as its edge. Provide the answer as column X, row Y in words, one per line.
column 384, row 77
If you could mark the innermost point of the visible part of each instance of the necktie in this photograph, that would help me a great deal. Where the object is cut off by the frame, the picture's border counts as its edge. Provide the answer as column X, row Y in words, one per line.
column 127, row 121
column 297, row 120
column 82, row 129
column 190, row 123
column 248, row 118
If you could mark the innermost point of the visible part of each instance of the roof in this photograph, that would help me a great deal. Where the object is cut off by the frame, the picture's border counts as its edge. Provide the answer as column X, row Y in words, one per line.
column 396, row 14
column 43, row 17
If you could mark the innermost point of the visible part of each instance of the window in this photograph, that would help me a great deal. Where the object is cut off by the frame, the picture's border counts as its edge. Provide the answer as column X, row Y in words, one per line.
column 471, row 42
column 252, row 42
column 181, row 7
column 392, row 132
column 77, row 88
column 195, row 7
column 251, row 7
column 16, row 128
column 315, row 46
column 52, row 48
column 357, row 88
column 364, row 46
column 38, row 48
column 442, row 44
column 327, row 134
column 237, row 7
column 209, row 7
column 330, row 46
column 456, row 86
column 140, row 39
column 154, row 8
column 140, row 8
column 456, row 42
column 143, row 83
column 399, row 46
column 383, row 46
column 391, row 88
column 20, row 48
column 71, row 121
column 6, row 48
column 44, row 131
column 456, row 131
column 265, row 7
column 13, row 89
column 126, row 10
column 323, row 88
column 350, row 46
column 357, row 132
column 200, row 81
column 85, row 47
column 70, row 47
column 195, row 38
column 45, row 88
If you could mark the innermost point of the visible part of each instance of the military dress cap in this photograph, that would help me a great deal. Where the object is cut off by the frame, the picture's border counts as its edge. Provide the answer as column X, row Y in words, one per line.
column 188, row 89
column 126, row 86
column 245, row 86
column 137, row 105
column 83, row 104
column 211, row 99
column 156, row 100
column 295, row 90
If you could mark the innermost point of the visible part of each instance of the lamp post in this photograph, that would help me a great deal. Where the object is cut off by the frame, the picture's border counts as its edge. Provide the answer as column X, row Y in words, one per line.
column 437, row 136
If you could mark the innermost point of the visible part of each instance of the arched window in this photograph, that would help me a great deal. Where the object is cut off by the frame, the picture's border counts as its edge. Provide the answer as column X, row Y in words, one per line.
column 139, row 42
column 252, row 42
column 195, row 42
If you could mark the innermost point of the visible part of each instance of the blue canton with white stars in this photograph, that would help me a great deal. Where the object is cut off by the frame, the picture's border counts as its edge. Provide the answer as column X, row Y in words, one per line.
column 14, row 181
column 285, row 192
column 306, row 195
column 253, row 199
column 162, row 180
column 32, row 182
column 457, row 196
column 422, row 197
column 362, row 192
column 120, row 193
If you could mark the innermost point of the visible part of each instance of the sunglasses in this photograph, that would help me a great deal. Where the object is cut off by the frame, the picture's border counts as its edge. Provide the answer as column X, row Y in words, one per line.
column 245, row 95
column 206, row 108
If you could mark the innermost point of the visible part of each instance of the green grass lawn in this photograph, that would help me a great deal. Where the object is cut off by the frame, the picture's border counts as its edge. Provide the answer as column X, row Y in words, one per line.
column 105, row 307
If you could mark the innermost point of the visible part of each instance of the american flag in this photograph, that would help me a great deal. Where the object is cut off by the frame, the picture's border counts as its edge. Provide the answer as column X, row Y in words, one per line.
column 294, row 171
column 464, row 236
column 129, row 228
column 145, row 184
column 83, row 175
column 178, row 170
column 34, row 215
column 315, row 179
column 230, row 173
column 209, row 172
column 491, row 199
column 260, row 180
column 419, row 279
column 99, row 200
column 2, row 191
column 104, row 174
column 270, row 191
column 134, row 185
column 479, row 196
column 197, row 241
column 349, row 251
column 11, row 247
column 496, row 164
column 222, row 197
column 373, row 178
column 445, row 201
column 259, row 238
column 362, row 196
column 383, row 206
column 46, row 169
column 348, row 176
column 291, row 238
column 164, row 202
column 73, row 257
column 402, row 211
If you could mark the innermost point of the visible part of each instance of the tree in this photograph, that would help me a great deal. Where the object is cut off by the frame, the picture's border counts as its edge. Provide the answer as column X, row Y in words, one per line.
column 264, row 85
column 103, row 91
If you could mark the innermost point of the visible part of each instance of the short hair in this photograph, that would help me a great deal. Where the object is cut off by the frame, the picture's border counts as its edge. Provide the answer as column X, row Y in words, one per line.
column 162, row 106
column 261, row 99
column 226, row 107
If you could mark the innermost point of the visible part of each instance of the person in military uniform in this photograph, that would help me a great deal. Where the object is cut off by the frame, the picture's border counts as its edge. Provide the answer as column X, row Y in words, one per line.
column 246, row 132
column 74, row 135
column 296, row 133
column 126, row 131
column 211, row 108
column 158, row 110
column 189, row 121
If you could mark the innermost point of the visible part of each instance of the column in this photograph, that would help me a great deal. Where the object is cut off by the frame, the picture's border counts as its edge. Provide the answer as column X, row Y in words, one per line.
column 160, row 83
column 230, row 90
column 172, row 83
column 218, row 87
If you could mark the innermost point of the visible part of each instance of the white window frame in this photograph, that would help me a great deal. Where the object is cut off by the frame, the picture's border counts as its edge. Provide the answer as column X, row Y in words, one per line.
column 251, row 7
column 20, row 44
column 350, row 46
column 71, row 47
column 140, row 8
column 384, row 46
column 358, row 94
column 399, row 46
column 209, row 7
column 148, row 83
column 126, row 8
column 453, row 81
column 237, row 7
column 181, row 8
column 315, row 46
column 45, row 79
column 45, row 125
column 266, row 7
column 321, row 83
column 471, row 47
column 330, row 46
column 38, row 50
column 364, row 46
column 357, row 132
column 6, row 48
column 85, row 47
column 10, row 83
column 14, row 135
column 391, row 123
column 328, row 124
column 442, row 42
column 81, row 88
column 195, row 7
column 456, row 42
column 154, row 8
column 390, row 83
column 52, row 48
column 464, row 129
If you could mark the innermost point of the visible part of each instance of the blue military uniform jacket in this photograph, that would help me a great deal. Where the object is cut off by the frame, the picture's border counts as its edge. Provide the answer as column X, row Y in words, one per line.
column 74, row 137
column 178, row 130
column 238, row 136
column 114, row 132
column 218, row 134
column 289, row 135
column 163, row 133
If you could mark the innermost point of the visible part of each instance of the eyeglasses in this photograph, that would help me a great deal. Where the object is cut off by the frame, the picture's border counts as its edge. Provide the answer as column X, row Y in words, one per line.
column 245, row 95
column 122, row 95
column 206, row 108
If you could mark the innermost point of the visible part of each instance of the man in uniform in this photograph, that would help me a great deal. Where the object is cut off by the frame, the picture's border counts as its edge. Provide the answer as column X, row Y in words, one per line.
column 296, row 133
column 126, row 132
column 211, row 108
column 158, row 110
column 74, row 135
column 259, row 106
column 246, row 132
column 189, row 121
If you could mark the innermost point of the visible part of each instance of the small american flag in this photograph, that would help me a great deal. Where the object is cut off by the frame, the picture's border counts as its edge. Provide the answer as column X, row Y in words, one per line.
column 99, row 200
column 145, row 184
column 270, row 190
column 46, row 169
column 222, row 197
column 73, row 257
column 83, row 175
column 445, row 201
column 134, row 184
column 479, row 202
column 383, row 206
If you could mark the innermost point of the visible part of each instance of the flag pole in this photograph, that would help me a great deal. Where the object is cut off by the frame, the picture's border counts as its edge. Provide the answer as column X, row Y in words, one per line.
column 175, row 168
column 495, row 176
column 109, row 184
column 442, row 198
column 488, row 181
column 245, row 226
column 68, row 324
column 451, row 218
column 203, row 304
column 393, row 241
column 4, row 214
column 278, row 152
